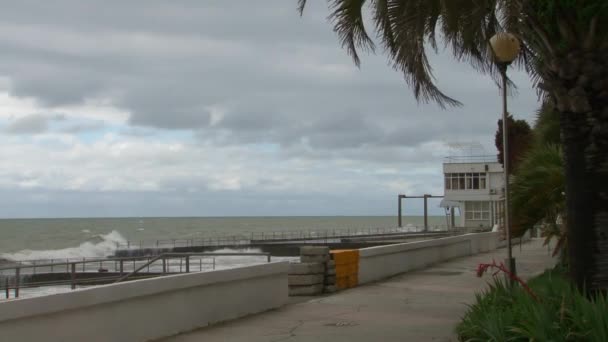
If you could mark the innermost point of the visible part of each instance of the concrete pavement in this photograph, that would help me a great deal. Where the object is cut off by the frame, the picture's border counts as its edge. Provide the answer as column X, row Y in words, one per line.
column 423, row 305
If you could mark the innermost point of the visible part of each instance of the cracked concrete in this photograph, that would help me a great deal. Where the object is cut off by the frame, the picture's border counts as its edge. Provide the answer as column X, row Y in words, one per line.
column 422, row 305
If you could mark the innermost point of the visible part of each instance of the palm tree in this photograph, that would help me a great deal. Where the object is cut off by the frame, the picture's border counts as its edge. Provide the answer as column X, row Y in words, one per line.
column 537, row 193
column 565, row 52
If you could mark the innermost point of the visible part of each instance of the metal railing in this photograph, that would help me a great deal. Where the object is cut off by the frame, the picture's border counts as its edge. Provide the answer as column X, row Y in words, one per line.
column 20, row 274
column 285, row 235
column 186, row 257
column 471, row 159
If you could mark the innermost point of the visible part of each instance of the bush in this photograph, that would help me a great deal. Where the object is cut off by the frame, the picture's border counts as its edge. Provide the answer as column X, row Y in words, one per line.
column 561, row 313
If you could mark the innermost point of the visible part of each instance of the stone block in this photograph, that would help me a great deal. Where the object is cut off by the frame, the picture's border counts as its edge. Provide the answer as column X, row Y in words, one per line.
column 330, row 264
column 309, row 290
column 330, row 280
column 314, row 258
column 307, row 279
column 306, row 268
column 330, row 289
column 314, row 250
column 330, row 272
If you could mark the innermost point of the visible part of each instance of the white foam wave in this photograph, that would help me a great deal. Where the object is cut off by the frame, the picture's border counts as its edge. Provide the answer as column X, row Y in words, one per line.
column 98, row 246
column 226, row 262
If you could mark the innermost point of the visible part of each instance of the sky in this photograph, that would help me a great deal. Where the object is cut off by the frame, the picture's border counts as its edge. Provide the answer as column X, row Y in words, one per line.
column 219, row 108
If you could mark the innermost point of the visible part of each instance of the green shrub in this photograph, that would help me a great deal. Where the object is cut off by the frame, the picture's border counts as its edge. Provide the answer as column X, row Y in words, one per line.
column 503, row 313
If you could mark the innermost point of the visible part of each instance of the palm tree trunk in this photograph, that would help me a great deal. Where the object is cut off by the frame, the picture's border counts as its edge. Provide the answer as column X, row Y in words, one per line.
column 581, row 235
column 582, row 100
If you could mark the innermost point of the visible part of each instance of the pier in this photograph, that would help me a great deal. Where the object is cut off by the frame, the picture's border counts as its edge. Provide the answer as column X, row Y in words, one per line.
column 286, row 243
column 147, row 259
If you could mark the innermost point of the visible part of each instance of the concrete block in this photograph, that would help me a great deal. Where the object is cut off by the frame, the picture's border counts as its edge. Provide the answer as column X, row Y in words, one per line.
column 309, row 290
column 308, row 279
column 314, row 250
column 314, row 258
column 306, row 268
column 330, row 289
column 330, row 264
column 330, row 271
column 330, row 280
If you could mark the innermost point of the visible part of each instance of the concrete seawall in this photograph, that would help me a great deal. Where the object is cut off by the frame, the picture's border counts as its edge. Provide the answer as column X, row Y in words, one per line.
column 377, row 263
column 147, row 309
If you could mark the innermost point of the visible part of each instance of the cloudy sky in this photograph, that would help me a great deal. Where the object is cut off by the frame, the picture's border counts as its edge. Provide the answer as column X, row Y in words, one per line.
column 214, row 108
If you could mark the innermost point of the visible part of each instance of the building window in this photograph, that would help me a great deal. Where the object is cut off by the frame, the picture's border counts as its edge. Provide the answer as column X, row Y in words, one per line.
column 477, row 211
column 465, row 181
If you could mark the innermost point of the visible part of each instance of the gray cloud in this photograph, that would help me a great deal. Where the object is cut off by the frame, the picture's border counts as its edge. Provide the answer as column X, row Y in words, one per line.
column 241, row 75
column 177, row 59
column 31, row 124
column 84, row 127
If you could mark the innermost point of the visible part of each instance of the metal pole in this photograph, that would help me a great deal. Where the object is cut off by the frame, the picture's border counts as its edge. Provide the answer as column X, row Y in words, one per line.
column 453, row 219
column 17, row 281
column 426, row 215
column 399, row 211
column 73, row 276
column 505, row 158
column 164, row 265
column 187, row 264
column 7, row 288
column 122, row 267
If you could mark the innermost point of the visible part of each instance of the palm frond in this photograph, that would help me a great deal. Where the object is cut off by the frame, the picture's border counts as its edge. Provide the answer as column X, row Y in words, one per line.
column 409, row 29
column 301, row 6
column 538, row 187
column 347, row 18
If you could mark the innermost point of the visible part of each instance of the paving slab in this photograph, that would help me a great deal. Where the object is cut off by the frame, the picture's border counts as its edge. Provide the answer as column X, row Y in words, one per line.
column 423, row 305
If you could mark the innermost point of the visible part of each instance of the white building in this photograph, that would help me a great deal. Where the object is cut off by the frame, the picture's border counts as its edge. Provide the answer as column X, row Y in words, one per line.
column 474, row 188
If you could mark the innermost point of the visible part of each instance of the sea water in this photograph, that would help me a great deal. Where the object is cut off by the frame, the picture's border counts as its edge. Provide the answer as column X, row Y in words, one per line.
column 76, row 238
column 32, row 239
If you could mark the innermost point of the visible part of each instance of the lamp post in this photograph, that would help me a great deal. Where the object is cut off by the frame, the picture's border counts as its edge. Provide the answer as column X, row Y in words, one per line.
column 506, row 48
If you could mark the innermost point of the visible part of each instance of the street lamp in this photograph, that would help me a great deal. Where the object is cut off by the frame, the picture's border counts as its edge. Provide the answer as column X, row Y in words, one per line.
column 505, row 47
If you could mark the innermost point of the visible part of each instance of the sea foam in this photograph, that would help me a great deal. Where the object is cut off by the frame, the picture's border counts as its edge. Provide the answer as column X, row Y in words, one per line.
column 98, row 246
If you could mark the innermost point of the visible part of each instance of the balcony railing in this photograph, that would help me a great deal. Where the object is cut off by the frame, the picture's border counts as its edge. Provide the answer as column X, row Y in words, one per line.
column 471, row 159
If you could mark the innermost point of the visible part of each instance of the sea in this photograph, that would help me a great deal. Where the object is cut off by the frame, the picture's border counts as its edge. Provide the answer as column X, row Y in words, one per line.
column 76, row 238
column 36, row 239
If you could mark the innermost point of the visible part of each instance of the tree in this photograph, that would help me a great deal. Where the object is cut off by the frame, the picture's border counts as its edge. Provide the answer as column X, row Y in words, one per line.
column 546, row 127
column 537, row 192
column 520, row 140
column 565, row 52
column 537, row 186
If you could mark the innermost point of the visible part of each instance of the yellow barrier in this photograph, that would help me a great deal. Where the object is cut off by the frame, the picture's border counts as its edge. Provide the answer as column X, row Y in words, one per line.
column 347, row 267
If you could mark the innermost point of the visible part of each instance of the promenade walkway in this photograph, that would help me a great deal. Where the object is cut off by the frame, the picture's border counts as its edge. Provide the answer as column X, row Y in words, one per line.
column 423, row 305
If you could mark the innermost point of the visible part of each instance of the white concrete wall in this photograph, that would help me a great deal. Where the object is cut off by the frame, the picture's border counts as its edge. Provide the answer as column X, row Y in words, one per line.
column 380, row 262
column 145, row 309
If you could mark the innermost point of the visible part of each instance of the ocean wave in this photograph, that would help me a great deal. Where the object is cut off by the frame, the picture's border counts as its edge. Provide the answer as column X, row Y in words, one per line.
column 102, row 245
